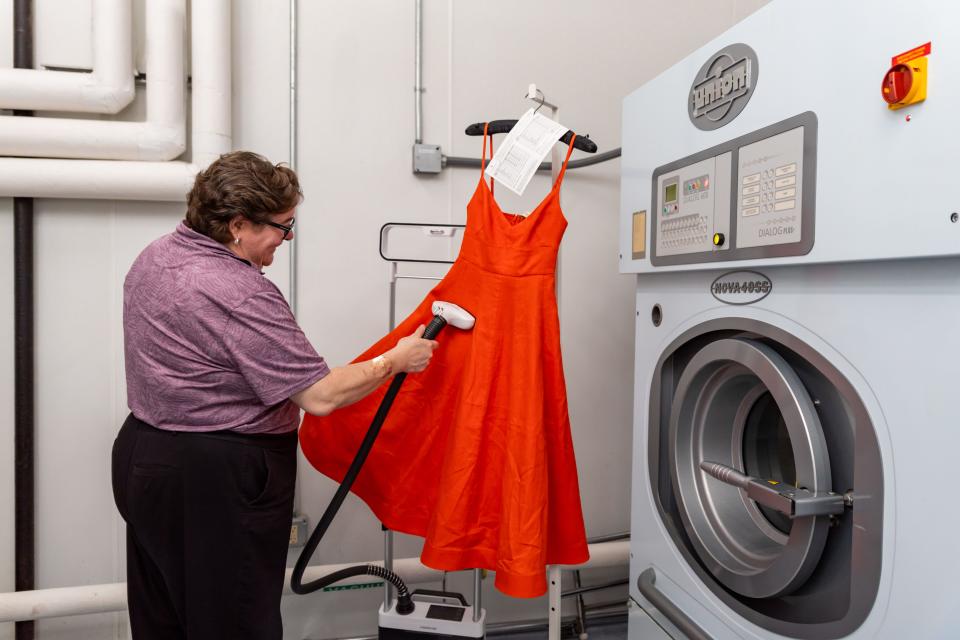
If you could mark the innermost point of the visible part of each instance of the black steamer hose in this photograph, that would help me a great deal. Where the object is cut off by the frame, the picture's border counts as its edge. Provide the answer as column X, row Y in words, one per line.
column 404, row 603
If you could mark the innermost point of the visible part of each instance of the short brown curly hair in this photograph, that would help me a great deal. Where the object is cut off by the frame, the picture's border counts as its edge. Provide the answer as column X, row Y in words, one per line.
column 240, row 183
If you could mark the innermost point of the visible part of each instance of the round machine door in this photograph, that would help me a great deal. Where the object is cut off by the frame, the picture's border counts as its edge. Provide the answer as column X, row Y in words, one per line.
column 744, row 433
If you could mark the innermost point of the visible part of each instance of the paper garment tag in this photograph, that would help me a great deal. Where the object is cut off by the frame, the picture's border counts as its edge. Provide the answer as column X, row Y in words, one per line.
column 524, row 148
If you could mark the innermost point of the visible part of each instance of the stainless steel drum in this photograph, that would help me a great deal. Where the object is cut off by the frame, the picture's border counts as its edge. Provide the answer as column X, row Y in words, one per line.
column 741, row 404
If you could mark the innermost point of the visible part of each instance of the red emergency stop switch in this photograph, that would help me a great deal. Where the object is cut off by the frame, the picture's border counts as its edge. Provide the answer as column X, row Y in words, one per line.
column 905, row 82
column 897, row 83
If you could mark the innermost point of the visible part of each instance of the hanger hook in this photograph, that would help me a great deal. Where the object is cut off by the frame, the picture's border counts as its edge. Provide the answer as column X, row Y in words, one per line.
column 541, row 97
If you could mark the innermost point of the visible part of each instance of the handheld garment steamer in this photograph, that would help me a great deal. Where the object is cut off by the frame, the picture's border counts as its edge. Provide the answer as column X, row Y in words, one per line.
column 406, row 619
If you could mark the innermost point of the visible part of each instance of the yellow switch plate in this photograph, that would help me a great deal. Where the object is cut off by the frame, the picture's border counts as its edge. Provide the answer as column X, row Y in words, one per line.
column 918, row 90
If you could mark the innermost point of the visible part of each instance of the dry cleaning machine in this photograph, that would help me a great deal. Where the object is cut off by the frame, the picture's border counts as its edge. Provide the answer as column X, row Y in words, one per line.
column 791, row 207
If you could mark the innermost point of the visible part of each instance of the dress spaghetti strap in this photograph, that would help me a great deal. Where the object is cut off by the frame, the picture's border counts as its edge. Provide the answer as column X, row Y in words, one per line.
column 563, row 169
column 483, row 158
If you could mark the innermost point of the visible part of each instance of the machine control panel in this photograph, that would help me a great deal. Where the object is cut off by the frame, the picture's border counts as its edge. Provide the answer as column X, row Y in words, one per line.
column 751, row 197
column 696, row 202
column 770, row 174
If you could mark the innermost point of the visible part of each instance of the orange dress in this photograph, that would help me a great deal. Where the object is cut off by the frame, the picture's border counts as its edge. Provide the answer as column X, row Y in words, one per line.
column 476, row 454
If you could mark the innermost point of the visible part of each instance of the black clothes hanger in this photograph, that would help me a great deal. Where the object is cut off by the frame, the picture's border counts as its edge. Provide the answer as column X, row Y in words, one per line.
column 584, row 143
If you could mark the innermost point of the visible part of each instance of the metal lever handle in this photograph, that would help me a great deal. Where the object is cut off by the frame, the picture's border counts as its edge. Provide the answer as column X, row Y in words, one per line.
column 646, row 584
column 793, row 502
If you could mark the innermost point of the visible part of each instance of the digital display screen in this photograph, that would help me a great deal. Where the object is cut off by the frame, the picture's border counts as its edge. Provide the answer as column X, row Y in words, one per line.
column 440, row 612
column 670, row 193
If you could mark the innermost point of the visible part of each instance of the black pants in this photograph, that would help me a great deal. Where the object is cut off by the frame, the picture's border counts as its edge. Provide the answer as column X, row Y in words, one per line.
column 208, row 524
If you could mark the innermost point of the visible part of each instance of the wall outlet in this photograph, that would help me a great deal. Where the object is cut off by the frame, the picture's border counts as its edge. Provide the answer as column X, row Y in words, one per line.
column 298, row 531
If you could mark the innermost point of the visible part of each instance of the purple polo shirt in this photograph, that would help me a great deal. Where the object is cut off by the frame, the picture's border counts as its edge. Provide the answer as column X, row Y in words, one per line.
column 210, row 343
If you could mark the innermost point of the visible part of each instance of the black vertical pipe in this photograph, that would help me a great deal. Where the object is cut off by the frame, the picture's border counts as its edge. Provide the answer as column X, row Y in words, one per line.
column 24, row 474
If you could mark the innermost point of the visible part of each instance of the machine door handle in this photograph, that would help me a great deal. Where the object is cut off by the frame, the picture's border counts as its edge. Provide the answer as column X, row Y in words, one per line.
column 792, row 502
column 646, row 583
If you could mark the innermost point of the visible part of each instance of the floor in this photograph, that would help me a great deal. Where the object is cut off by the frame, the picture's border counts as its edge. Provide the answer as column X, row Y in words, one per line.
column 614, row 630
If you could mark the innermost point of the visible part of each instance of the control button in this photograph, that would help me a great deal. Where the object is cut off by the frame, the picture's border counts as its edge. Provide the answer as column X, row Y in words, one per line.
column 752, row 211
column 749, row 191
column 751, row 200
column 768, row 185
column 755, row 177
column 785, row 205
column 766, row 174
column 766, row 208
column 718, row 239
column 786, row 193
column 786, row 182
column 786, row 169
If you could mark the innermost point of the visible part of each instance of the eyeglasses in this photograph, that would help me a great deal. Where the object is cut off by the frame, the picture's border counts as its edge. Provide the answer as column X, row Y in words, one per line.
column 286, row 230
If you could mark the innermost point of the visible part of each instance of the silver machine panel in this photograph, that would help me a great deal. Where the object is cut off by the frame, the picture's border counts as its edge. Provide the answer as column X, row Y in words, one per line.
column 797, row 249
column 704, row 212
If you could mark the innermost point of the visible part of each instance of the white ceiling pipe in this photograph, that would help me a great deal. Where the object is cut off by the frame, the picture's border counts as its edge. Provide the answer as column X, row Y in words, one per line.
column 108, row 89
column 212, row 94
column 66, row 601
column 102, row 598
column 96, row 179
column 161, row 137
column 411, row 570
column 605, row 554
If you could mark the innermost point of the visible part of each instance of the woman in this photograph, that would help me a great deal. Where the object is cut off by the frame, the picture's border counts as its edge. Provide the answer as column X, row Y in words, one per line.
column 217, row 371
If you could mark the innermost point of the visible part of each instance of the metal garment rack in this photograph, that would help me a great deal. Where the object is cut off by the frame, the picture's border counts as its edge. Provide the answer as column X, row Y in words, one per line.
column 433, row 230
column 580, row 621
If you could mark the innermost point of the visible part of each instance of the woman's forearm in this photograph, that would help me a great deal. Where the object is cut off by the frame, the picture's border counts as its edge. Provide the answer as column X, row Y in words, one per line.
column 344, row 386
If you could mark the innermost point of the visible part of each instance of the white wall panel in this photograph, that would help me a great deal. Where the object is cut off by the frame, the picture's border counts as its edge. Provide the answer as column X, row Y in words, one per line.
column 6, row 34
column 63, row 34
column 261, row 104
column 83, row 251
column 74, row 417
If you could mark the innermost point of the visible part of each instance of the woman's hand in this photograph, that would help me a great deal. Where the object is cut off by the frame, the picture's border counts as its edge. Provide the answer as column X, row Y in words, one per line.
column 345, row 385
column 412, row 354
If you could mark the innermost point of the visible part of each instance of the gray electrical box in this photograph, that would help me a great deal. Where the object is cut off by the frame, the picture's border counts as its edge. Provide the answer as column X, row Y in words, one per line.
column 427, row 158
